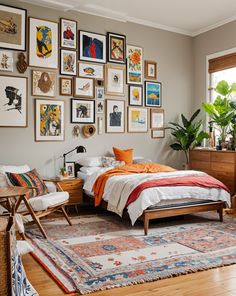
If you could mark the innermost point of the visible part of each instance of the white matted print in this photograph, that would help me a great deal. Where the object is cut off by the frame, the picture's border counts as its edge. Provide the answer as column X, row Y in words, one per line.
column 43, row 43
column 100, row 93
column 100, row 125
column 70, row 169
column 43, row 83
column 115, row 80
column 68, row 34
column 134, row 64
column 91, row 70
column 115, row 116
column 82, row 111
column 84, row 87
column 100, row 106
column 13, row 101
column 136, row 95
column 65, row 86
column 157, row 118
column 68, row 64
column 137, row 120
column 6, row 60
column 160, row 133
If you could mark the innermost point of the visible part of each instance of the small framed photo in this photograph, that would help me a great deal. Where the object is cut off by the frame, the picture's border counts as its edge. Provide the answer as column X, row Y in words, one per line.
column 66, row 86
column 100, row 106
column 157, row 118
column 137, row 120
column 115, row 80
column 100, row 83
column 134, row 64
column 68, row 33
column 49, row 120
column 43, row 83
column 135, row 95
column 153, row 94
column 92, row 47
column 70, row 169
column 100, row 93
column 115, row 116
column 91, row 70
column 150, row 70
column 82, row 111
column 84, row 87
column 158, row 133
column 6, row 60
column 100, row 125
column 68, row 65
column 116, row 48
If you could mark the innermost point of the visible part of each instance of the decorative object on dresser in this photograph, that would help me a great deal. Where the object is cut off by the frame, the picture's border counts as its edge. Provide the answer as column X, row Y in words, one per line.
column 78, row 149
column 68, row 33
column 150, row 70
column 43, row 83
column 84, row 87
column 82, row 111
column 6, row 60
column 70, row 169
column 68, row 62
column 91, row 70
column 137, row 120
column 115, row 80
column 134, row 64
column 115, row 116
column 116, row 48
column 135, row 95
column 66, row 86
column 153, row 94
column 21, row 64
column 89, row 130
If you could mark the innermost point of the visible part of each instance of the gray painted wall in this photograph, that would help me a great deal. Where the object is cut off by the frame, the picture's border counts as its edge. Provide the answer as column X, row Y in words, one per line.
column 174, row 55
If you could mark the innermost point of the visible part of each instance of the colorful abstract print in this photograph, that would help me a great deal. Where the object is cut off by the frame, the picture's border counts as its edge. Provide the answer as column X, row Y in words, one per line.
column 43, row 42
column 92, row 47
column 50, row 120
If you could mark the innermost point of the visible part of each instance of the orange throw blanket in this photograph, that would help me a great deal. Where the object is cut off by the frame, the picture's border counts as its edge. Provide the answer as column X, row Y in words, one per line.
column 141, row 168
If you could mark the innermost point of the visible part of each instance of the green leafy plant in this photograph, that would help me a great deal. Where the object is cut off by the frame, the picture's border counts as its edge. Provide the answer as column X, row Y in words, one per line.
column 188, row 135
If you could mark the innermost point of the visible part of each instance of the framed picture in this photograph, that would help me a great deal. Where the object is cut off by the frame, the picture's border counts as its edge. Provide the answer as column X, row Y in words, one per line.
column 157, row 118
column 100, row 125
column 65, row 86
column 153, row 94
column 100, row 93
column 100, row 106
column 13, row 27
column 150, row 70
column 82, row 111
column 43, row 43
column 13, row 106
column 91, row 70
column 68, row 33
column 84, row 87
column 92, row 47
column 137, row 120
column 115, row 116
column 99, row 82
column 115, row 80
column 43, row 83
column 134, row 64
column 116, row 48
column 49, row 120
column 70, row 169
column 135, row 95
column 6, row 60
column 158, row 133
column 68, row 64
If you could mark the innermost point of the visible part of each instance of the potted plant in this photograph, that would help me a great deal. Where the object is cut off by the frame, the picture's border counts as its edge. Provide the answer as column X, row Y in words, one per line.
column 188, row 135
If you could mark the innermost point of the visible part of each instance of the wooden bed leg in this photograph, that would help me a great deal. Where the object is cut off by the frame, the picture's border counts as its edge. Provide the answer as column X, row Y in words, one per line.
column 220, row 211
column 146, row 224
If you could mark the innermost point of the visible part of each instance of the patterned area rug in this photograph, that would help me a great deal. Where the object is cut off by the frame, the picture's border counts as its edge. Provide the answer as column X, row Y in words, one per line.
column 102, row 252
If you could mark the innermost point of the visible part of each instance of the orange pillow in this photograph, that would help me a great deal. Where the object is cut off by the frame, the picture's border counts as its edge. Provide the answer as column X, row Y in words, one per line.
column 123, row 155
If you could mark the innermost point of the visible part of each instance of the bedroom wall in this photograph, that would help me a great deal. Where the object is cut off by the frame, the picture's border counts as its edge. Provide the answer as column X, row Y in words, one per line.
column 174, row 55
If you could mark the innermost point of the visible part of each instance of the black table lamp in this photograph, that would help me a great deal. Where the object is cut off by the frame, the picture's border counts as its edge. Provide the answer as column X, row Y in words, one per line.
column 79, row 149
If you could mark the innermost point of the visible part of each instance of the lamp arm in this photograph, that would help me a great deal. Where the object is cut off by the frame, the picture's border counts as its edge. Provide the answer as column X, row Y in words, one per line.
column 64, row 155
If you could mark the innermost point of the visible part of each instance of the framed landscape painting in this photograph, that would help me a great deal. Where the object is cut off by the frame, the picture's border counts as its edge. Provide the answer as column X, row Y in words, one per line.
column 68, row 64
column 49, row 120
column 115, row 116
column 13, row 102
column 84, row 87
column 137, row 120
column 134, row 64
column 82, row 111
column 135, row 95
column 153, row 94
column 13, row 27
column 91, row 70
column 68, row 33
column 115, row 80
column 116, row 48
column 43, row 43
column 43, row 83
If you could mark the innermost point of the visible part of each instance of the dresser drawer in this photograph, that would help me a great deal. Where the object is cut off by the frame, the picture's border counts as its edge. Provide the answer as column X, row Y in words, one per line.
column 200, row 155
column 225, row 157
column 200, row 165
column 69, row 185
column 222, row 167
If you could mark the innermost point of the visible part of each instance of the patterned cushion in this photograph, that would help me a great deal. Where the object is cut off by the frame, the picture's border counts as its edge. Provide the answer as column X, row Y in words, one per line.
column 111, row 162
column 29, row 179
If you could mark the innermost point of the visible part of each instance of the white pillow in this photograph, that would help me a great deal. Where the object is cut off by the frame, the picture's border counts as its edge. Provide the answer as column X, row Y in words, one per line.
column 89, row 170
column 111, row 162
column 90, row 161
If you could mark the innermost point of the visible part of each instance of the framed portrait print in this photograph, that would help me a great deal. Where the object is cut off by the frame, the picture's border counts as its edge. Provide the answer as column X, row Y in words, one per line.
column 158, row 133
column 84, row 87
column 43, row 43
column 13, row 27
column 157, row 118
column 82, row 111
column 43, row 83
column 115, row 116
column 134, row 64
column 49, row 120
column 135, row 95
column 92, row 47
column 115, row 80
column 116, row 48
column 13, row 107
column 70, row 169
column 153, row 94
column 6, row 60
column 100, row 93
column 68, row 33
column 150, row 70
column 68, row 62
column 66, row 86
column 137, row 120
column 100, row 106
column 91, row 70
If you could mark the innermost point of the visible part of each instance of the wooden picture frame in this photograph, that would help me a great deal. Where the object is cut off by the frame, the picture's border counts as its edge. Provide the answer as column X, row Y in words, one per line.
column 150, row 70
column 70, row 169
column 68, row 62
column 91, row 70
column 134, row 65
column 66, row 86
column 7, row 61
column 84, row 87
column 157, row 118
column 137, row 120
column 135, row 95
column 43, row 83
column 115, row 116
column 115, row 80
column 116, row 48
column 68, row 33
column 82, row 111
column 158, row 133
column 153, row 94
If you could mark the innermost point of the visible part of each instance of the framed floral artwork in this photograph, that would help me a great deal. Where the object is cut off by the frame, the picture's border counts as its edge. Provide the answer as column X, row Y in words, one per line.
column 135, row 95
column 115, row 116
column 49, row 120
column 92, row 47
column 82, row 111
column 6, row 60
column 116, row 48
column 66, row 86
column 150, row 70
column 84, row 87
column 134, row 64
column 14, row 101
column 115, row 80
column 137, row 120
column 43, row 43
column 153, row 94
column 158, row 133
column 91, row 70
column 68, row 64
column 13, row 27
column 68, row 33
column 43, row 83
column 157, row 118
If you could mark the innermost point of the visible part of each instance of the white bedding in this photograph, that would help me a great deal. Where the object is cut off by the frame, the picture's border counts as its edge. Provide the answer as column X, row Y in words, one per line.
column 118, row 189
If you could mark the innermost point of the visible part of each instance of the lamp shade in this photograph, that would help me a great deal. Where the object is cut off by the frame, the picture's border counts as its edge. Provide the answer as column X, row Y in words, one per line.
column 80, row 149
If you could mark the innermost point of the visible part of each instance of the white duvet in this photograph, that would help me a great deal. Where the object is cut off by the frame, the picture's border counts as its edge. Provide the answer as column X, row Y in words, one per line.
column 118, row 189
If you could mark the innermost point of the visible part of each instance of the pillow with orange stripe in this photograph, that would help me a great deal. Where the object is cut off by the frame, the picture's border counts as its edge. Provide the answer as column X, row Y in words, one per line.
column 29, row 179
